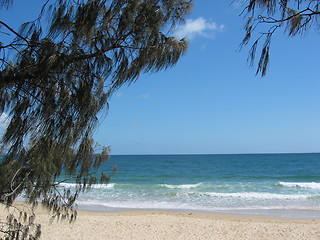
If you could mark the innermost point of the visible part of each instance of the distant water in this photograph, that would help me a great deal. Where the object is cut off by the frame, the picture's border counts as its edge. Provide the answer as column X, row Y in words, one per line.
column 267, row 184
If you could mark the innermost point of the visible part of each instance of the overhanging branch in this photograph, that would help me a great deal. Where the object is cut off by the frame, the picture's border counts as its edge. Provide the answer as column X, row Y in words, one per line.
column 13, row 31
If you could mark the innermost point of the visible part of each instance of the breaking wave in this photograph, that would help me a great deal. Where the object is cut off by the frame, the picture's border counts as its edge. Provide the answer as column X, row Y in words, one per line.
column 309, row 185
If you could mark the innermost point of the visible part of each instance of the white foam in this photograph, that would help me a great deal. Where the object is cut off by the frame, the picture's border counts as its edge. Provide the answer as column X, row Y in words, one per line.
column 255, row 195
column 94, row 186
column 310, row 185
column 134, row 204
column 145, row 204
column 183, row 186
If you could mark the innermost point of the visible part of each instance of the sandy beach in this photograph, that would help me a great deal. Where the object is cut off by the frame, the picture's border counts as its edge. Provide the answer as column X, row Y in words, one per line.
column 175, row 225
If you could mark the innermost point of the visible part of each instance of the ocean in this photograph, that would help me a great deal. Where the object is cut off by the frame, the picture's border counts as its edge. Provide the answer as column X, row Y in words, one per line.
column 285, row 185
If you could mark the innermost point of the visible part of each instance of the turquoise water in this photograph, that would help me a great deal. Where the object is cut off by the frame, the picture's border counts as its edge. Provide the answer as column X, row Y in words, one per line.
column 248, row 183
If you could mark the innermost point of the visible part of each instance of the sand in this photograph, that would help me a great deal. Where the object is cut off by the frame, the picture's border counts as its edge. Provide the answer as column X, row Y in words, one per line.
column 175, row 225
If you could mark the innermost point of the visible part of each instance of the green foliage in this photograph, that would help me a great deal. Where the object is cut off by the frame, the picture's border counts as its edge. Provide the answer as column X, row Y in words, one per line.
column 294, row 16
column 56, row 77
column 19, row 224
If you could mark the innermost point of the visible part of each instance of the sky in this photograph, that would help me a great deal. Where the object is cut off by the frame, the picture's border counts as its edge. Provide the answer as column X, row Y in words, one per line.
column 212, row 102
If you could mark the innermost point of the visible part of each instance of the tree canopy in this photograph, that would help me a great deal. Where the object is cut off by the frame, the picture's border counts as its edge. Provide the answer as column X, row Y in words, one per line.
column 264, row 17
column 57, row 73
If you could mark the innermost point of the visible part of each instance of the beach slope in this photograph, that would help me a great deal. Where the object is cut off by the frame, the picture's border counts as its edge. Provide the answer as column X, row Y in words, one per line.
column 175, row 225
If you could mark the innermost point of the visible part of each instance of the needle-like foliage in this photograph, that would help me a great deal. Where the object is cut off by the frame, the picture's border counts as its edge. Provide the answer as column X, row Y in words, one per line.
column 264, row 17
column 57, row 73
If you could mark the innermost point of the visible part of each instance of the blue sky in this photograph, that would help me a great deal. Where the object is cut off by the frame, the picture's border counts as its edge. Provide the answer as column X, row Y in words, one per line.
column 212, row 102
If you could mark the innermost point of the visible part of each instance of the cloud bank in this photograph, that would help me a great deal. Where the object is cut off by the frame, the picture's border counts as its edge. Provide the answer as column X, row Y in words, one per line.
column 197, row 27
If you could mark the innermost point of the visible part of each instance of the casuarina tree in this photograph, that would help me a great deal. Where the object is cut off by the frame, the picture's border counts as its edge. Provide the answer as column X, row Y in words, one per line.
column 265, row 17
column 57, row 73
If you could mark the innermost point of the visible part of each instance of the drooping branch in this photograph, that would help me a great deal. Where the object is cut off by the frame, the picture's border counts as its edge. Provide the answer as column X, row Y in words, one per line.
column 94, row 54
column 291, row 20
column 56, row 77
column 306, row 13
column 14, row 32
column 54, row 83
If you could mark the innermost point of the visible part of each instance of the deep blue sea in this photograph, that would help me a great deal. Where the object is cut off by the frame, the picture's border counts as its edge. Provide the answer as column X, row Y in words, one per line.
column 267, row 184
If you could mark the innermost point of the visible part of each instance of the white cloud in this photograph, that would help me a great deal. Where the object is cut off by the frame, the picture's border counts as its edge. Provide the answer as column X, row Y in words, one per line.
column 197, row 27
column 143, row 96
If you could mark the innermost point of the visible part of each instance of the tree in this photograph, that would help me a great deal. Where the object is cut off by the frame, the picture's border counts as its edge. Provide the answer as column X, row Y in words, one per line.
column 56, row 77
column 295, row 17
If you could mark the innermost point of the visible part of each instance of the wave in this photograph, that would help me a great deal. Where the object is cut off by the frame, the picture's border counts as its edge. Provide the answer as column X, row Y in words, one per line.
column 182, row 186
column 309, row 185
column 250, row 195
column 94, row 186
column 134, row 186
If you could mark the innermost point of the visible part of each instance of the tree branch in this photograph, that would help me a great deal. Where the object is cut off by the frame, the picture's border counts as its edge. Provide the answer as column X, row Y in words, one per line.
column 16, row 33
column 290, row 17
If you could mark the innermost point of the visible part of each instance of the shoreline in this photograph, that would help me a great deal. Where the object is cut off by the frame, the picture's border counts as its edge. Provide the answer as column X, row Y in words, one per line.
column 155, row 224
column 272, row 212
